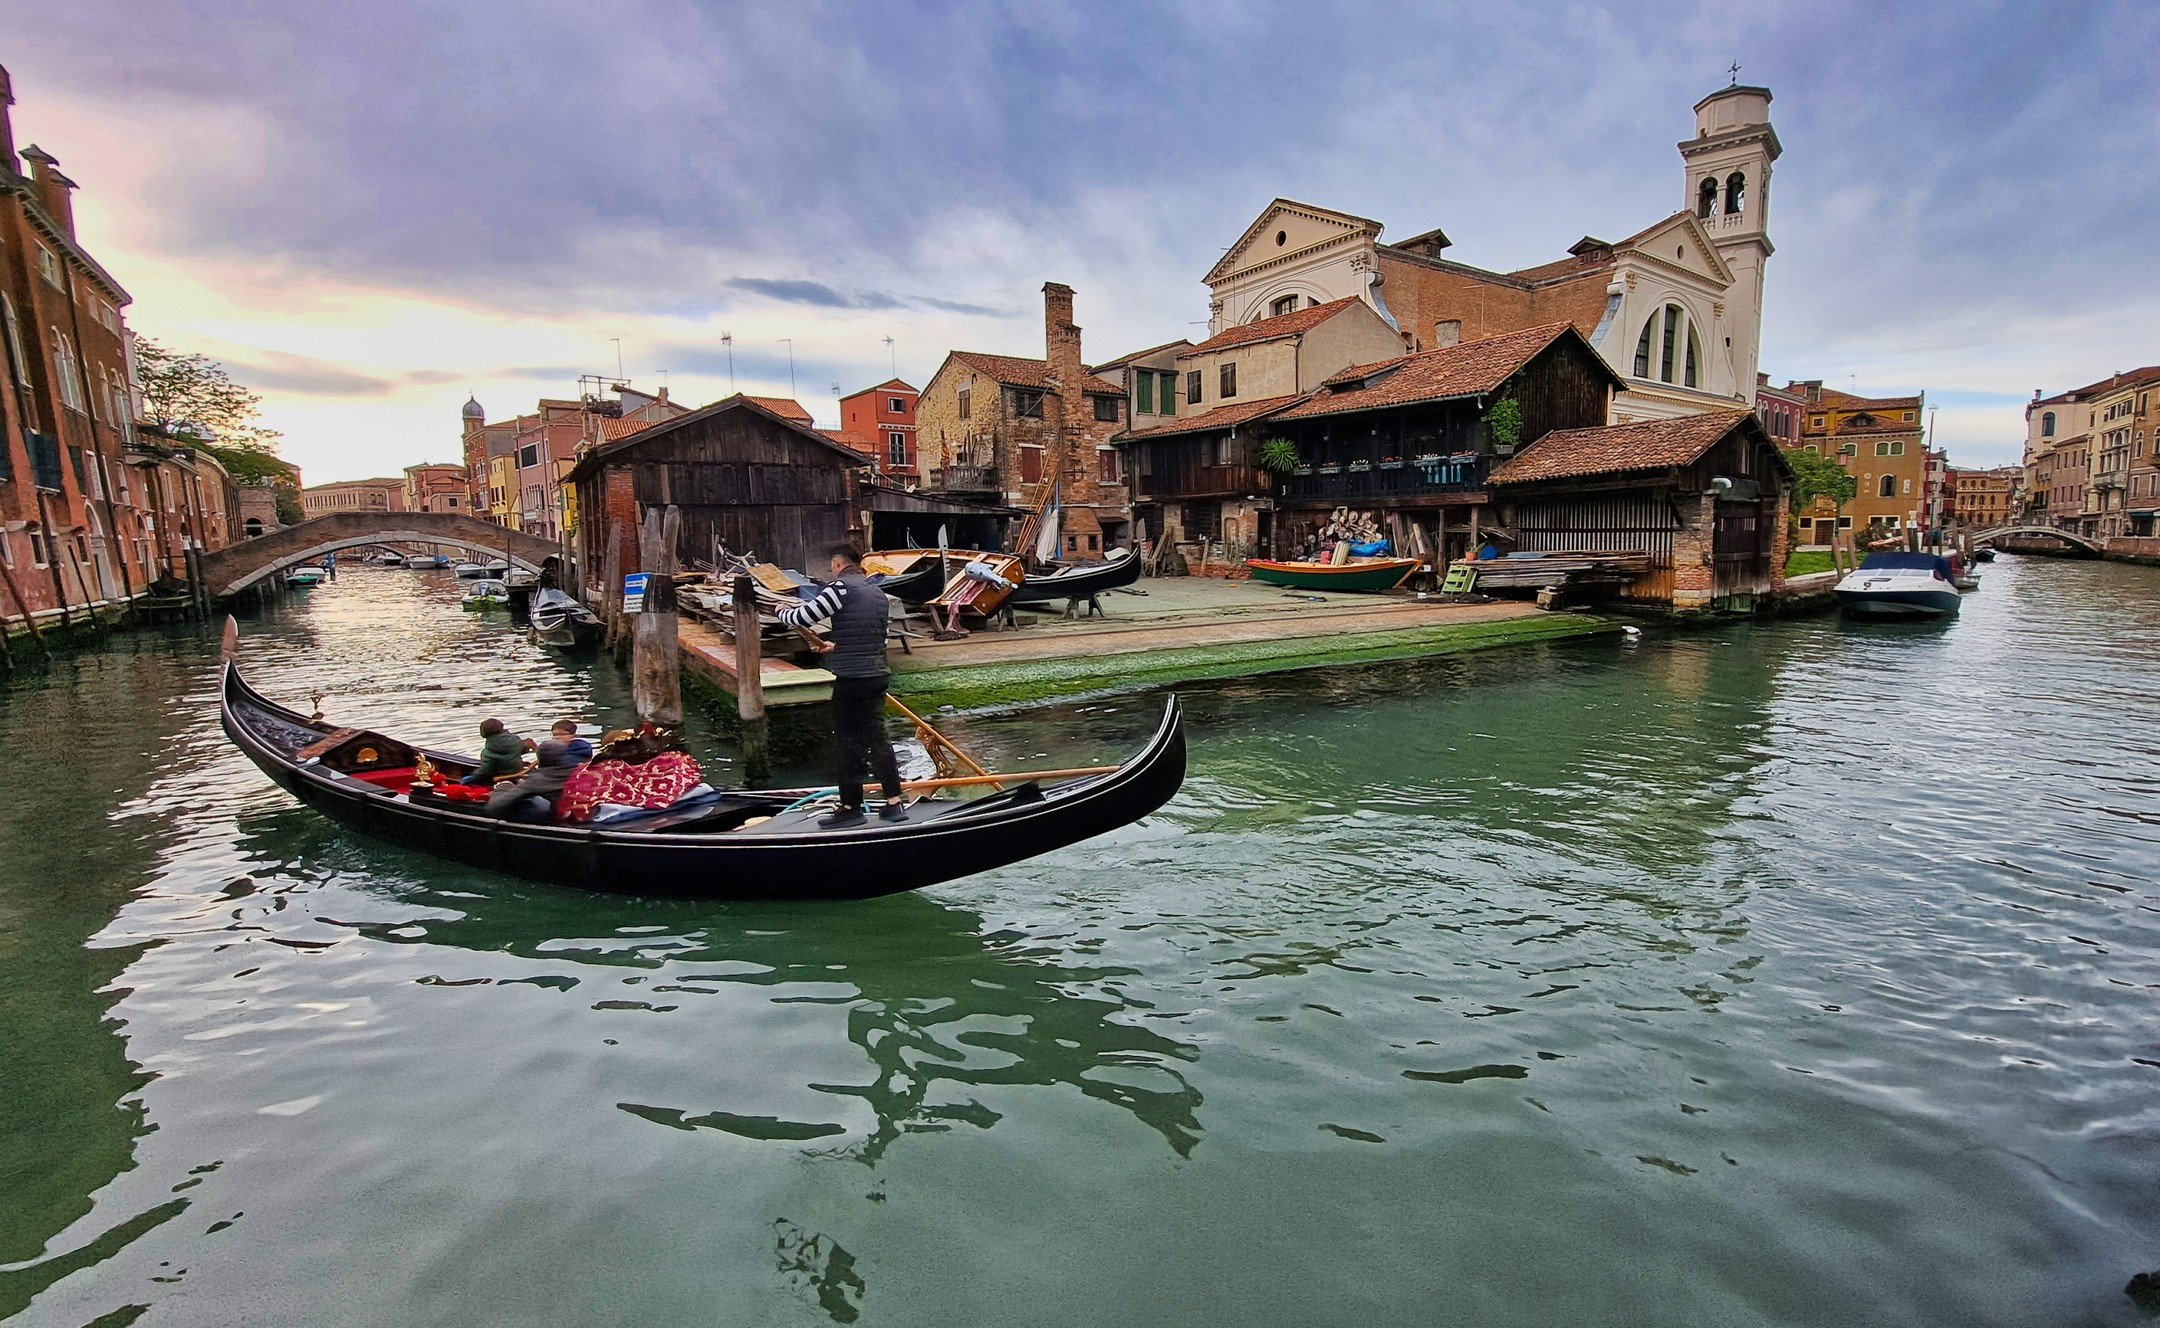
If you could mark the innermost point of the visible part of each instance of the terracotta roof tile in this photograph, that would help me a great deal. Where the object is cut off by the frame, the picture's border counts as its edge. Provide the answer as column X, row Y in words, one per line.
column 2112, row 383
column 1469, row 368
column 1139, row 354
column 1016, row 371
column 1619, row 448
column 1268, row 329
column 1222, row 417
column 610, row 430
column 787, row 408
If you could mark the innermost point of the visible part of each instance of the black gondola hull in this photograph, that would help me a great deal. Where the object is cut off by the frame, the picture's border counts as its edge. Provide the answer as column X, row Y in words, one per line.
column 1078, row 582
column 862, row 863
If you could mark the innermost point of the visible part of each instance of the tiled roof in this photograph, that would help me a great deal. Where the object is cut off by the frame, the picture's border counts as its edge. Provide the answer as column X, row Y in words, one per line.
column 1833, row 399
column 1268, row 329
column 1014, row 371
column 885, row 386
column 854, row 440
column 787, row 408
column 610, row 430
column 1222, row 417
column 1140, row 354
column 1469, row 368
column 1619, row 448
column 2113, row 382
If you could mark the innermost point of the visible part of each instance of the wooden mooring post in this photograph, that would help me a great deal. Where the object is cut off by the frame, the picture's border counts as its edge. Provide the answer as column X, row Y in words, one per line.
column 655, row 654
column 750, row 685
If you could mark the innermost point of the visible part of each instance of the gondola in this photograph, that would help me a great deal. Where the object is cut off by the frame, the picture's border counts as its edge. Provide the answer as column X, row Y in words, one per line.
column 558, row 620
column 1120, row 568
column 721, row 845
column 912, row 576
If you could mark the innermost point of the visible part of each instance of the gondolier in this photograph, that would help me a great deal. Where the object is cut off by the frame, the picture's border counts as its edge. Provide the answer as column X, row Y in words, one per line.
column 860, row 614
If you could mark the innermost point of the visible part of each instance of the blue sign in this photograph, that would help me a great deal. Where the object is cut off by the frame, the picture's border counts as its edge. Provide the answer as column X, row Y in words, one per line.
column 633, row 593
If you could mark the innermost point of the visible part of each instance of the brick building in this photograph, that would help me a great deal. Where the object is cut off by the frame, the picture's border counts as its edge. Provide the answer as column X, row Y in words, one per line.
column 1981, row 498
column 1011, row 430
column 93, row 509
column 1779, row 409
column 879, row 422
column 514, row 468
column 2094, row 453
column 1878, row 440
column 376, row 495
column 437, row 487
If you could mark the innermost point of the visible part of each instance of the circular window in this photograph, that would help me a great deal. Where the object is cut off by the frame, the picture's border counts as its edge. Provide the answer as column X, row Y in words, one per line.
column 1282, row 237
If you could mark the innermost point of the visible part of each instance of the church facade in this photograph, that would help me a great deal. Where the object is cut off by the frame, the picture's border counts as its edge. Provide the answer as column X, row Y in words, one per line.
column 1675, row 309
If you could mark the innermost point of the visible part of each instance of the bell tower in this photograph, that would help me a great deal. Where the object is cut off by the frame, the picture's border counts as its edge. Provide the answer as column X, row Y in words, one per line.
column 1726, row 169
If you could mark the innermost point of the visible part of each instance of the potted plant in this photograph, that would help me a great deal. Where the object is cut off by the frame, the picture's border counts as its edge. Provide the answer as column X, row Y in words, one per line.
column 1277, row 457
column 1360, row 467
column 1391, row 463
column 1331, row 468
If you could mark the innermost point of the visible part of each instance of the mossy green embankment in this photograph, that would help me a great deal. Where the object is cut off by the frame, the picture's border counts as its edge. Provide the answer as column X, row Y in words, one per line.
column 986, row 685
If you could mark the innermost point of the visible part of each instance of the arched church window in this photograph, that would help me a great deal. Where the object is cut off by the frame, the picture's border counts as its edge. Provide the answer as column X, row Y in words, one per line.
column 1888, row 487
column 1669, row 358
column 1642, row 347
column 1694, row 358
column 1286, row 305
column 2047, row 425
column 1706, row 201
column 1735, row 193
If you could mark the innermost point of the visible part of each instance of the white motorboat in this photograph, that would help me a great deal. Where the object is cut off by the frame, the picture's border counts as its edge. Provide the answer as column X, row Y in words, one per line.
column 1900, row 585
column 483, row 571
column 482, row 595
column 305, row 578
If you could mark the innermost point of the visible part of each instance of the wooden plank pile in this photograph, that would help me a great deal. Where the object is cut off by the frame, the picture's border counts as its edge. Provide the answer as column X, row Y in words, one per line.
column 1535, row 571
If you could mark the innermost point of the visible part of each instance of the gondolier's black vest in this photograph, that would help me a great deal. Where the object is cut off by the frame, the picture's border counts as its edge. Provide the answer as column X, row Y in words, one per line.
column 858, row 630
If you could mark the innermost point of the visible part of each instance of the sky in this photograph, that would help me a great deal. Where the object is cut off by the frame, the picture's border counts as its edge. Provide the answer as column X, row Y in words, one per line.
column 367, row 212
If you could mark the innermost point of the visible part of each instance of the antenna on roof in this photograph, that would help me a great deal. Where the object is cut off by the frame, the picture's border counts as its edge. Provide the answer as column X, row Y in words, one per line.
column 618, row 355
column 790, row 366
column 895, row 356
column 727, row 339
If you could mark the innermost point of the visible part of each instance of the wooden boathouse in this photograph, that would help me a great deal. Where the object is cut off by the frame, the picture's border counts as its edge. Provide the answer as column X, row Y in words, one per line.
column 1705, row 496
column 1410, row 440
column 747, row 480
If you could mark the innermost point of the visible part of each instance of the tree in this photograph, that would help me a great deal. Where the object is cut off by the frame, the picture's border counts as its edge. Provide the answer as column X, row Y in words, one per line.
column 1817, row 476
column 190, row 397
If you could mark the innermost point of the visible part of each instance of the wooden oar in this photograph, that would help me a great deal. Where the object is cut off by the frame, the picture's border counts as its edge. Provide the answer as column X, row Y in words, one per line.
column 1013, row 777
column 922, row 726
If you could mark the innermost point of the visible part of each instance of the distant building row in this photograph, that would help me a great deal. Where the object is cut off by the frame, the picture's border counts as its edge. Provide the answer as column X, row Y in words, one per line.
column 2092, row 456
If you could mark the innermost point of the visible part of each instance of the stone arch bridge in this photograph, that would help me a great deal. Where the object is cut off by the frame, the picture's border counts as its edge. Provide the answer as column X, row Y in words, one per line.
column 236, row 567
column 2071, row 538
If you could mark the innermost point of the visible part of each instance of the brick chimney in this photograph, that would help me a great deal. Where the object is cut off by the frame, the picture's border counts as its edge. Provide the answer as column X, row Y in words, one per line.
column 7, row 123
column 54, row 190
column 1072, row 455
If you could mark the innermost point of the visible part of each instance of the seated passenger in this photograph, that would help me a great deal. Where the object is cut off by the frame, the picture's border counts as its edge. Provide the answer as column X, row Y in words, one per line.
column 501, row 753
column 531, row 798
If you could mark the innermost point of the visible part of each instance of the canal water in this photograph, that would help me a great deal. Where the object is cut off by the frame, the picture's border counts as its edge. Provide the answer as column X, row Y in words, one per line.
column 1794, row 975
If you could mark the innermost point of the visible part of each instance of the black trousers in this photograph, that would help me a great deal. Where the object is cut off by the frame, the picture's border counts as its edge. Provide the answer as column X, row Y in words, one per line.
column 861, row 748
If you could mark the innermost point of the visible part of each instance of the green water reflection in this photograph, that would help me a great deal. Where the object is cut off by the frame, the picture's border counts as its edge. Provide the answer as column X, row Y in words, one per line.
column 1797, row 975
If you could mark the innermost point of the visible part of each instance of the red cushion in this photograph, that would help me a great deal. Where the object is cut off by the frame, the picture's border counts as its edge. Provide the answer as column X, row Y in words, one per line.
column 399, row 778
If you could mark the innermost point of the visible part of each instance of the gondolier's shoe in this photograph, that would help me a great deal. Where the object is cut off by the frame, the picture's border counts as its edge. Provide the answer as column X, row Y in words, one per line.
column 843, row 818
column 892, row 811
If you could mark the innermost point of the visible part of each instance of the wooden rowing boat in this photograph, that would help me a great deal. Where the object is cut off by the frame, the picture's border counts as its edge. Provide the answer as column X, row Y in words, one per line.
column 1369, row 574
